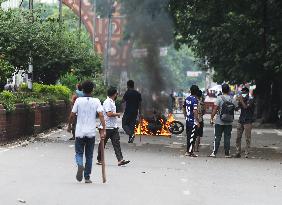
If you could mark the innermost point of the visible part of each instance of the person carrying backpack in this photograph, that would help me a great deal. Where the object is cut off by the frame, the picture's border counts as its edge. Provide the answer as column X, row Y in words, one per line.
column 224, row 108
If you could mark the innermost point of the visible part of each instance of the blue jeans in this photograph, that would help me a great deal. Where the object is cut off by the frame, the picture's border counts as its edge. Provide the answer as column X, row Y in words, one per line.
column 219, row 129
column 86, row 144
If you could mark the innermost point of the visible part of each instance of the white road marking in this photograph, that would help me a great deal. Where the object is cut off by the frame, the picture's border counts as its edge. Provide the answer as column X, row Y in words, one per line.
column 71, row 146
column 183, row 163
column 278, row 132
column 184, row 180
column 3, row 150
column 258, row 132
column 186, row 192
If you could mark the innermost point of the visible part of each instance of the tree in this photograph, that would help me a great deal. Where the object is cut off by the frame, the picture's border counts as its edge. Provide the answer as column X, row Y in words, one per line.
column 54, row 48
column 242, row 41
column 6, row 70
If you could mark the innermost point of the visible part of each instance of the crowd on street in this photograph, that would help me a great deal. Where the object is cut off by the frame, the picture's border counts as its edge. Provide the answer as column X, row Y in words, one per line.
column 82, row 122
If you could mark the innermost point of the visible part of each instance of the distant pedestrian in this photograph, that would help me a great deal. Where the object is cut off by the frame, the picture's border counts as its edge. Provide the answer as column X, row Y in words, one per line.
column 201, row 111
column 132, row 99
column 112, row 133
column 247, row 106
column 224, row 108
column 171, row 103
column 9, row 86
column 190, row 109
column 78, row 93
column 86, row 109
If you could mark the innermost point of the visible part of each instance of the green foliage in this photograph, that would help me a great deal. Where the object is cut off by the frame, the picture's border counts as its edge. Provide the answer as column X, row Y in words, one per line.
column 40, row 94
column 8, row 100
column 70, row 80
column 242, row 41
column 241, row 38
column 6, row 70
column 57, row 91
column 178, row 63
column 55, row 48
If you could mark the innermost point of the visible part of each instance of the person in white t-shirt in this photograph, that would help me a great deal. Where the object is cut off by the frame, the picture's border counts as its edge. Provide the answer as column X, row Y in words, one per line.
column 112, row 133
column 86, row 109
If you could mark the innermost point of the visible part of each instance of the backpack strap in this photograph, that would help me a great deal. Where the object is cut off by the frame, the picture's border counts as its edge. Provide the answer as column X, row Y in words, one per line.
column 224, row 100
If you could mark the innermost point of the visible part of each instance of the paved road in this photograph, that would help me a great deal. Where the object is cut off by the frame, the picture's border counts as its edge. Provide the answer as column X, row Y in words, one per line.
column 42, row 172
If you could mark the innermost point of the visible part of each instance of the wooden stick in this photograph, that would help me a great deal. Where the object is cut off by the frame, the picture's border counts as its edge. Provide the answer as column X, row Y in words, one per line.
column 103, row 161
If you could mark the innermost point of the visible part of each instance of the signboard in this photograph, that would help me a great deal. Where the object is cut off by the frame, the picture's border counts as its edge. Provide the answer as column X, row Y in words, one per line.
column 194, row 73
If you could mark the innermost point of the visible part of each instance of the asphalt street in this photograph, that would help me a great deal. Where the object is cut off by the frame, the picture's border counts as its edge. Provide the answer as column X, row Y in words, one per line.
column 41, row 171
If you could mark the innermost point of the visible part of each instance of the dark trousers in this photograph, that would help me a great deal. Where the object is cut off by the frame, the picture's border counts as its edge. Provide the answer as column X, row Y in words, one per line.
column 191, row 137
column 128, row 124
column 85, row 144
column 219, row 129
column 115, row 138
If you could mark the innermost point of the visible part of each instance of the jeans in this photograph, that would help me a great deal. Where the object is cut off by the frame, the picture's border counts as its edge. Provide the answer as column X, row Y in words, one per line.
column 85, row 144
column 219, row 129
column 115, row 138
column 128, row 124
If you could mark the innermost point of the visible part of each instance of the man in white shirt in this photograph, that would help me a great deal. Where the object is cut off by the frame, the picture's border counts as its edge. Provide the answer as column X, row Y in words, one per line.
column 86, row 109
column 112, row 133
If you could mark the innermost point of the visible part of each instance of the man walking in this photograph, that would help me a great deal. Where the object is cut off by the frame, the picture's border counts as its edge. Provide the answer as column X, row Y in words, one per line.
column 224, row 108
column 247, row 105
column 86, row 109
column 201, row 112
column 190, row 108
column 112, row 133
column 132, row 99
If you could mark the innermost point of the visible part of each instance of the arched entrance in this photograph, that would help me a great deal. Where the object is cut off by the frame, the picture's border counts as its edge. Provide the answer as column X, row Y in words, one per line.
column 119, row 54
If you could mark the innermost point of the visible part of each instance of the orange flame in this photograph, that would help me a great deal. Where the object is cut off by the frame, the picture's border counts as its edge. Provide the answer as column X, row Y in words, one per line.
column 142, row 127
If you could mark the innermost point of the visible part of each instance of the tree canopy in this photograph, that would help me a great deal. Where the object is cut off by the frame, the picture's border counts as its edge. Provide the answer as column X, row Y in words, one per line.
column 241, row 40
column 55, row 49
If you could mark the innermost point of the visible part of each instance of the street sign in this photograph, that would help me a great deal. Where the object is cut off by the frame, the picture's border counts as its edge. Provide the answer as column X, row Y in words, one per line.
column 194, row 73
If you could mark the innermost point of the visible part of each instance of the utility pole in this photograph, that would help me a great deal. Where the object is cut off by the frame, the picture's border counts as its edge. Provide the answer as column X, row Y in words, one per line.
column 79, row 25
column 30, row 65
column 109, row 38
column 94, row 23
column 60, row 12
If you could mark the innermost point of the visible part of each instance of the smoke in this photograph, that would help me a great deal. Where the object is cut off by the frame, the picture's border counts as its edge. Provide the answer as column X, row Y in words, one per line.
column 150, row 28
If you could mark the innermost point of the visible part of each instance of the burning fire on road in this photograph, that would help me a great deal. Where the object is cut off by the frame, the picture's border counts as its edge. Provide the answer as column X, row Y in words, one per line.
column 159, row 126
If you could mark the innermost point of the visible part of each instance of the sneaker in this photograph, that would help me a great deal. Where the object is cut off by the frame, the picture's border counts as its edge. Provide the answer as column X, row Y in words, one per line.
column 88, row 181
column 131, row 139
column 212, row 155
column 237, row 155
column 79, row 174
column 246, row 156
column 228, row 156
column 186, row 154
column 192, row 155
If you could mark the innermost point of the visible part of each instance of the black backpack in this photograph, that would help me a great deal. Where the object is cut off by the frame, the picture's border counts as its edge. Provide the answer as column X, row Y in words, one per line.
column 227, row 111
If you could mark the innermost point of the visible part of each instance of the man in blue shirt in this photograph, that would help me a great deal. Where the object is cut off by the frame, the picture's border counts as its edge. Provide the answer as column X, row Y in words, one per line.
column 192, row 122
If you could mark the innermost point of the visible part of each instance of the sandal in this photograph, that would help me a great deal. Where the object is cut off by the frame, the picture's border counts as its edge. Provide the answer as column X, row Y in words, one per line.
column 99, row 163
column 123, row 162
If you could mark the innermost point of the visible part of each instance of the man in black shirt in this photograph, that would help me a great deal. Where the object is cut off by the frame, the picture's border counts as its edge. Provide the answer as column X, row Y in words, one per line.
column 132, row 99
column 247, row 105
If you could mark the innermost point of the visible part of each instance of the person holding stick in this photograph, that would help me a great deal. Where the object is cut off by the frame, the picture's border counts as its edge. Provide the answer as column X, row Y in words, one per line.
column 112, row 133
column 86, row 109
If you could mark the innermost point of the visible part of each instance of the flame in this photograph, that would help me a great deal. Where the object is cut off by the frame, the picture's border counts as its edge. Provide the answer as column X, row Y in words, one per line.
column 142, row 127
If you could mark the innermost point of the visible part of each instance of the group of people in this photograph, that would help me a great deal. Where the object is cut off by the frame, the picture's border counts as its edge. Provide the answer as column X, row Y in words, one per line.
column 224, row 109
column 82, row 123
